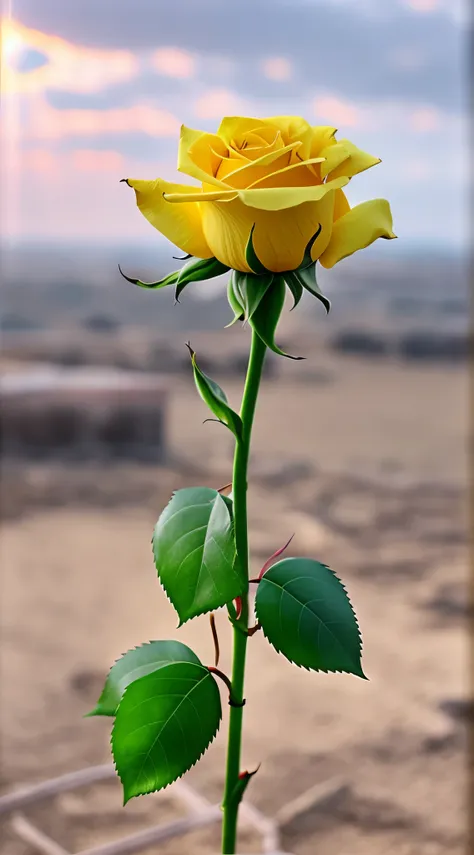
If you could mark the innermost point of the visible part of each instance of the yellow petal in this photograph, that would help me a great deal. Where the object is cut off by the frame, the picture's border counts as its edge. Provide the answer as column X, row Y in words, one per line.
column 181, row 224
column 295, row 175
column 333, row 155
column 291, row 127
column 341, row 205
column 267, row 199
column 190, row 195
column 280, row 237
column 246, row 173
column 358, row 229
column 272, row 141
column 344, row 158
column 232, row 127
column 278, row 198
column 200, row 154
column 321, row 137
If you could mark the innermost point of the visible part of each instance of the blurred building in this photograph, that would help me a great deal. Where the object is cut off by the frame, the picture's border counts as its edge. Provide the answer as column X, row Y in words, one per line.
column 83, row 414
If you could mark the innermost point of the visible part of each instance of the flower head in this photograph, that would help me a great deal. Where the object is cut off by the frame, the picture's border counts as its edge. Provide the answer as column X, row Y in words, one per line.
column 279, row 179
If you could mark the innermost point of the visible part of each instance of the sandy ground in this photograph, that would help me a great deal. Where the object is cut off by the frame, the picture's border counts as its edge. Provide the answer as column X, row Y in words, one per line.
column 366, row 464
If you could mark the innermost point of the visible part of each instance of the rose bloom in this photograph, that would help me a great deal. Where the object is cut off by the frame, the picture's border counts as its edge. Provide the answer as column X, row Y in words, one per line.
column 281, row 176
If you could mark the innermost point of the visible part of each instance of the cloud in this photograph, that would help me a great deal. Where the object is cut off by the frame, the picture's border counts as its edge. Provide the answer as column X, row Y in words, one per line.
column 90, row 160
column 173, row 62
column 425, row 120
column 423, row 5
column 277, row 68
column 46, row 123
column 77, row 195
column 334, row 111
column 215, row 103
column 63, row 65
column 105, row 96
column 330, row 44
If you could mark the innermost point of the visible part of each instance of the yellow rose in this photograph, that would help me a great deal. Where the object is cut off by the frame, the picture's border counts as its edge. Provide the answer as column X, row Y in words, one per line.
column 281, row 177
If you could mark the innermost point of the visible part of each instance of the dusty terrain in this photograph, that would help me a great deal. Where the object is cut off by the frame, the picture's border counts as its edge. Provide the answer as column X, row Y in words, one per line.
column 366, row 464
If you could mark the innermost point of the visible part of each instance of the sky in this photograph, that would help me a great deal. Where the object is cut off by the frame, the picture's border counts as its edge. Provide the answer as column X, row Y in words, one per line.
column 95, row 91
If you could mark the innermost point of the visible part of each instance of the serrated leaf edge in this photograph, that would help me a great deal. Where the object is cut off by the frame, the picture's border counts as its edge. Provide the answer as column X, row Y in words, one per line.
column 163, row 586
column 362, row 675
column 160, row 789
column 93, row 712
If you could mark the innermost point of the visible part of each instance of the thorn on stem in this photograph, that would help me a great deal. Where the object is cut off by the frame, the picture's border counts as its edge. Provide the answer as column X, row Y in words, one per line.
column 246, row 775
column 272, row 558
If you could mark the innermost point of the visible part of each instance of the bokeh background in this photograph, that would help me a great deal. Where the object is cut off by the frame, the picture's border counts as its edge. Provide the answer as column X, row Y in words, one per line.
column 360, row 450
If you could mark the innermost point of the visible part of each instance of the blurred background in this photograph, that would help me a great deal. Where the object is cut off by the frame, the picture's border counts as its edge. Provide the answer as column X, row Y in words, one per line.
column 360, row 450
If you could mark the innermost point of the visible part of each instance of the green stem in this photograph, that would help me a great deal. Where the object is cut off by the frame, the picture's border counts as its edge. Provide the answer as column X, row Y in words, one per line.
column 239, row 489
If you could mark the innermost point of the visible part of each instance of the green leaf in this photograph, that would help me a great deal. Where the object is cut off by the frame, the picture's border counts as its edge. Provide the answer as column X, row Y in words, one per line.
column 137, row 663
column 306, row 614
column 296, row 289
column 215, row 398
column 234, row 301
column 252, row 288
column 195, row 555
column 251, row 256
column 306, row 277
column 265, row 318
column 164, row 723
column 199, row 269
column 171, row 279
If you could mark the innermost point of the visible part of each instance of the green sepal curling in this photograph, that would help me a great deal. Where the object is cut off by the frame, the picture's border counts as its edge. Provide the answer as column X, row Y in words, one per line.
column 170, row 279
column 215, row 398
column 265, row 318
column 252, row 258
column 305, row 613
column 234, row 298
column 164, row 723
column 296, row 290
column 252, row 289
column 195, row 553
column 305, row 277
column 307, row 258
column 198, row 270
column 136, row 663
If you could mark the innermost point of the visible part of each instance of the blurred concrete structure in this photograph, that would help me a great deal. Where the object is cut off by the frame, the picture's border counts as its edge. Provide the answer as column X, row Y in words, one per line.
column 82, row 414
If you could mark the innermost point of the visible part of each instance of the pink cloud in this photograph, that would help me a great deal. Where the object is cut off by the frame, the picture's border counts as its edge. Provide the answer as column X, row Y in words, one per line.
column 90, row 160
column 422, row 5
column 216, row 103
column 46, row 123
column 75, row 199
column 75, row 195
column 277, row 68
column 38, row 160
column 425, row 120
column 173, row 62
column 69, row 66
column 335, row 111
